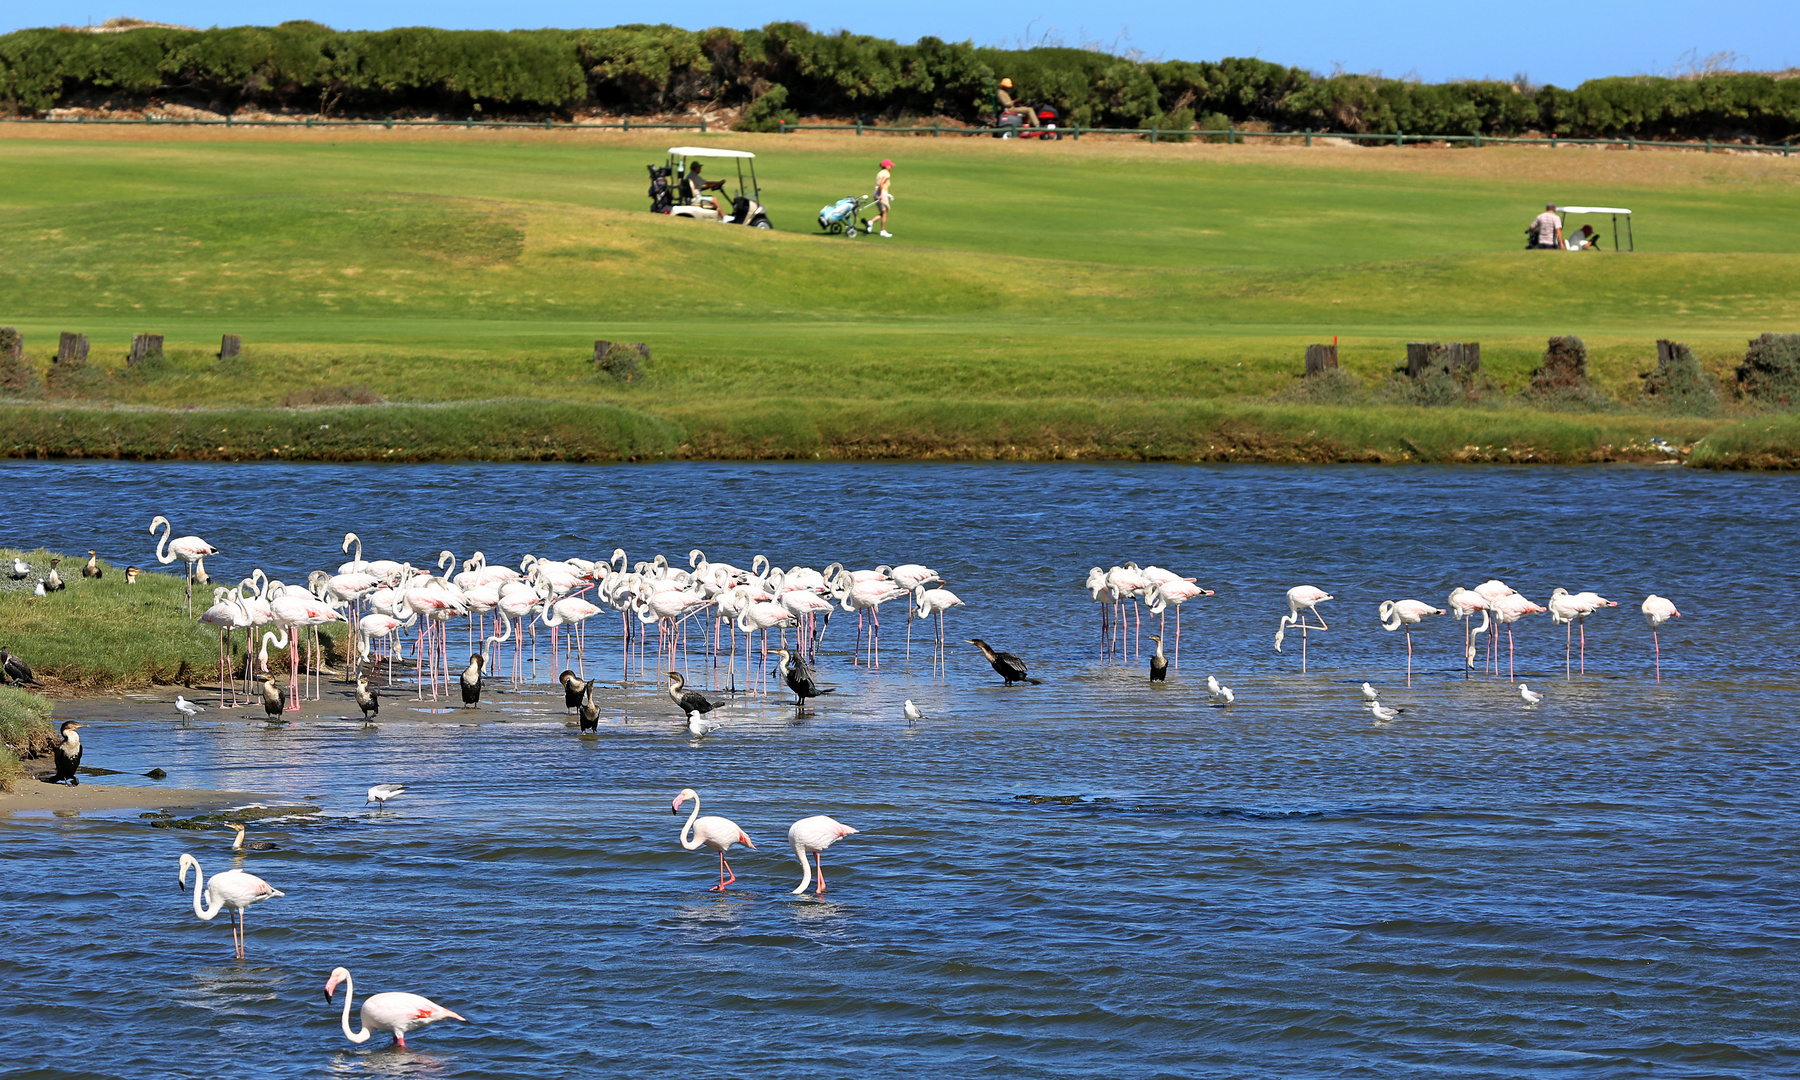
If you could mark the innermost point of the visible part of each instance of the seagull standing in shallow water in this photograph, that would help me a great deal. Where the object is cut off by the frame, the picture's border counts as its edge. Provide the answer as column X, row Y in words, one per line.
column 1530, row 696
column 1217, row 692
column 1370, row 693
column 1383, row 714
column 913, row 715
column 381, row 793
column 186, row 708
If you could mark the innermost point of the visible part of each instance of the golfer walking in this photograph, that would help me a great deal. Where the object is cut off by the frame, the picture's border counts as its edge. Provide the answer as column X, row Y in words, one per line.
column 884, row 195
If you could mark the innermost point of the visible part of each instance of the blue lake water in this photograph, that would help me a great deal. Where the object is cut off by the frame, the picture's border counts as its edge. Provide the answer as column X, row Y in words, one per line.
column 1603, row 885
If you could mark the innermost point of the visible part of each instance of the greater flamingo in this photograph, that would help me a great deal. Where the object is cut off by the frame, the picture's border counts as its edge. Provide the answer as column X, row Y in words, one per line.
column 393, row 1012
column 1405, row 614
column 1301, row 598
column 1658, row 610
column 1570, row 609
column 933, row 602
column 189, row 549
column 813, row 835
column 1464, row 603
column 234, row 889
column 1509, row 609
column 712, row 831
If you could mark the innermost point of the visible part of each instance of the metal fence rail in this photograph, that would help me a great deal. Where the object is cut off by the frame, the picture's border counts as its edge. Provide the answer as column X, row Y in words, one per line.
column 1074, row 131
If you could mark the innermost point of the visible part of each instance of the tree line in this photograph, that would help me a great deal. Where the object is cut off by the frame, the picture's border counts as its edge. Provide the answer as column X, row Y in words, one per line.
column 785, row 70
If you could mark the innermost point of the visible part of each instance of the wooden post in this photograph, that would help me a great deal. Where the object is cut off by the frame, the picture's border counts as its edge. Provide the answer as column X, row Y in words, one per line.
column 72, row 348
column 230, row 346
column 12, row 343
column 1320, row 359
column 601, row 348
column 1418, row 357
column 144, row 346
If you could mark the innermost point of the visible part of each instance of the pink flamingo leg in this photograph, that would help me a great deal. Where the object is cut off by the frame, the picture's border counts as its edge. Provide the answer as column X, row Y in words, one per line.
column 724, row 868
column 819, row 861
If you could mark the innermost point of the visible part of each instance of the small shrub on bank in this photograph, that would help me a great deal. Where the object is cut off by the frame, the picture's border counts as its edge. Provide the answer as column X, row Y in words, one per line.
column 332, row 395
column 1562, row 381
column 1679, row 384
column 1437, row 388
column 1770, row 373
column 622, row 363
column 1333, row 386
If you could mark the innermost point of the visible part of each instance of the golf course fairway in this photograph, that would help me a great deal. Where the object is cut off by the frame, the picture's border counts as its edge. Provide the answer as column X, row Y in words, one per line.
column 436, row 293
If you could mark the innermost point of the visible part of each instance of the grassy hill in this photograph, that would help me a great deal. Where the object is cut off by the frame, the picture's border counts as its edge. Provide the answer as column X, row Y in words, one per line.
column 1034, row 297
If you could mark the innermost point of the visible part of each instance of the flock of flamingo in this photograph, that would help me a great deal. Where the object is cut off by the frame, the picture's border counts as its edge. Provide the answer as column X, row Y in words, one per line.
column 398, row 1013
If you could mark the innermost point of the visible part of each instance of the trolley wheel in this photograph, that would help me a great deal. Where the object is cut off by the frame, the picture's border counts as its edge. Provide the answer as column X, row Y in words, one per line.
column 761, row 223
column 834, row 228
column 850, row 233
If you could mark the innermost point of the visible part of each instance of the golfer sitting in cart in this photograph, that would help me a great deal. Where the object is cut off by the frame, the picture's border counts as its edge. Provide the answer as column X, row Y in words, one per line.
column 693, row 184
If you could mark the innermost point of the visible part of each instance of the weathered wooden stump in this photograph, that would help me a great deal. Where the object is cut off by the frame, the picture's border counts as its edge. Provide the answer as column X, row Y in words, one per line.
column 1320, row 359
column 16, row 376
column 12, row 343
column 1564, row 368
column 72, row 349
column 1446, row 357
column 230, row 346
column 144, row 347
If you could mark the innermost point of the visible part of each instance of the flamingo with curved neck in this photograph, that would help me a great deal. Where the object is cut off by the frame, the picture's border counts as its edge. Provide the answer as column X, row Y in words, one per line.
column 234, row 889
column 714, row 832
column 189, row 549
column 393, row 1012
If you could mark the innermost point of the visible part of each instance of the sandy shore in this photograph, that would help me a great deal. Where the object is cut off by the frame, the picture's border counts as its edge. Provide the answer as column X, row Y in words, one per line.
column 32, row 794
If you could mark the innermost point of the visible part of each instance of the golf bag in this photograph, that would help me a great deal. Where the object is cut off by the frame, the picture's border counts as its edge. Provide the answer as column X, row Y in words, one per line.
column 660, row 197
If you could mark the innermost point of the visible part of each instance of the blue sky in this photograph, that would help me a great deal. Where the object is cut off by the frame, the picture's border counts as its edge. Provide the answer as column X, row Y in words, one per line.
column 1563, row 44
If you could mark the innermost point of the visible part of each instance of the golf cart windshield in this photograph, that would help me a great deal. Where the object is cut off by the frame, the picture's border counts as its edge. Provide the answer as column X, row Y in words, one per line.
column 680, row 156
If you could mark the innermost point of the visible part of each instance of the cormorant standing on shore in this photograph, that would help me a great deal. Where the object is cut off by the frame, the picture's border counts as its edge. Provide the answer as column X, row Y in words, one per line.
column 1006, row 665
column 16, row 669
column 573, row 688
column 471, row 680
column 1159, row 664
column 587, row 710
column 688, row 701
column 68, row 755
column 367, row 699
column 55, row 583
column 92, row 569
column 131, row 574
column 799, row 679
column 274, row 701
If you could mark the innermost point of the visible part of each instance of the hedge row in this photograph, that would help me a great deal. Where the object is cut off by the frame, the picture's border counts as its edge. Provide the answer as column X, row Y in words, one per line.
column 785, row 69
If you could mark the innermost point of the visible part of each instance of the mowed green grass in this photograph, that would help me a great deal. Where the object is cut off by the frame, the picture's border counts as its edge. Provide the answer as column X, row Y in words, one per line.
column 445, row 267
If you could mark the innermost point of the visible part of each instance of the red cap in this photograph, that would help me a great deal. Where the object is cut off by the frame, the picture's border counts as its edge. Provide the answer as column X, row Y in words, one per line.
column 887, row 164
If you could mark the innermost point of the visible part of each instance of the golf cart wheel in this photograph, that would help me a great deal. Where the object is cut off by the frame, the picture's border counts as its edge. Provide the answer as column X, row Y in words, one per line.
column 761, row 223
column 834, row 228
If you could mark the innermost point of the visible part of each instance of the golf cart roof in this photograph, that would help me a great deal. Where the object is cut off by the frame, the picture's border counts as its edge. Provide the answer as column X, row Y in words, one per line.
column 1593, row 210
column 701, row 151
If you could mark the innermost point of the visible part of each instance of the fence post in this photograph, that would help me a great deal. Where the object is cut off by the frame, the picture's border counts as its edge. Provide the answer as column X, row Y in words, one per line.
column 781, row 127
column 1230, row 133
column 390, row 123
column 1309, row 136
column 1708, row 143
column 703, row 125
column 625, row 124
column 1153, row 131
column 1077, row 132
column 936, row 126
column 1399, row 139
column 859, row 125
column 228, row 124
column 1478, row 140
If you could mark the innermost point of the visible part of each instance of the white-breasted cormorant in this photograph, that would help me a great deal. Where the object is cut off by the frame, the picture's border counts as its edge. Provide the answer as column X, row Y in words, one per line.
column 688, row 701
column 367, row 699
column 587, row 710
column 68, row 755
column 54, row 583
column 1006, row 665
column 274, row 701
column 92, row 569
column 1159, row 664
column 471, row 679
column 573, row 688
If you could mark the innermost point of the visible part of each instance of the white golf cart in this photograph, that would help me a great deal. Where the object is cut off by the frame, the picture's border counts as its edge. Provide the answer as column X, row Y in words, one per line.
column 705, row 199
column 1616, row 213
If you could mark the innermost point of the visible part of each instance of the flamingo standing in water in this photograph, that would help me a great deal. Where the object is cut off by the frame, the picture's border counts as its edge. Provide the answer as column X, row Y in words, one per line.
column 189, row 549
column 1301, row 598
column 936, row 602
column 1658, row 610
column 226, row 615
column 868, row 595
column 1405, row 614
column 1493, row 590
column 1464, row 603
column 1177, row 591
column 397, row 1013
column 1570, row 609
column 1510, row 609
column 714, row 832
column 234, row 889
column 813, row 835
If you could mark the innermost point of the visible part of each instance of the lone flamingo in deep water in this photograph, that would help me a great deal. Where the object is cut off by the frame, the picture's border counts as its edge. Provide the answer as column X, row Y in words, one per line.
column 1658, row 610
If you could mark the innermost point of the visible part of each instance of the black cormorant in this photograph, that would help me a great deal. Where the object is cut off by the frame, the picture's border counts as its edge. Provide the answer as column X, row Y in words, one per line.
column 68, row 755
column 1159, row 664
column 1006, row 665
column 16, row 669
column 799, row 679
column 688, row 701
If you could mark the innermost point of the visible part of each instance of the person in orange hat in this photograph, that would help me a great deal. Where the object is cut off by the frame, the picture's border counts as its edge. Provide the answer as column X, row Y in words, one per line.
column 884, row 195
column 1007, row 105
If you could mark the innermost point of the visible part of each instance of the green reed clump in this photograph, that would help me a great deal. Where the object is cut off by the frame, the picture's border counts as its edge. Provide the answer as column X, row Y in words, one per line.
column 25, row 730
column 1332, row 386
column 1760, row 442
column 1678, row 383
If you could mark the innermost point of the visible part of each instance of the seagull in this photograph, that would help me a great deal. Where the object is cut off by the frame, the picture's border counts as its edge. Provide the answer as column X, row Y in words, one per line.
column 381, row 793
column 913, row 715
column 20, row 569
column 1383, row 714
column 700, row 727
column 186, row 708
column 1218, row 693
column 1370, row 693
column 1530, row 696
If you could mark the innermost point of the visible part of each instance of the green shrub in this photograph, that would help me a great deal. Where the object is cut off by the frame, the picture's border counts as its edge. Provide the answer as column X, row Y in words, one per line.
column 766, row 112
column 1333, row 386
column 1770, row 373
column 1679, row 384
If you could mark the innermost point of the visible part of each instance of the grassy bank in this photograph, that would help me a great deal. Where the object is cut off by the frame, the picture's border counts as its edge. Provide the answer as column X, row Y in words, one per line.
column 104, row 634
column 1118, row 299
column 1765, row 442
column 25, row 731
